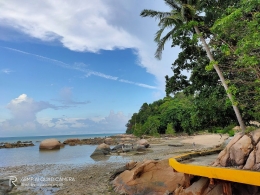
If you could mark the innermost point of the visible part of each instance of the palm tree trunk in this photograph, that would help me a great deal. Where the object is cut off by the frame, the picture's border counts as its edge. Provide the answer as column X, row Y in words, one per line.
column 222, row 79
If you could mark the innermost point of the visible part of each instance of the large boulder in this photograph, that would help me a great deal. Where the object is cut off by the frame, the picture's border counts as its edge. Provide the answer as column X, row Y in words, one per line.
column 102, row 149
column 150, row 178
column 49, row 144
column 143, row 142
column 242, row 151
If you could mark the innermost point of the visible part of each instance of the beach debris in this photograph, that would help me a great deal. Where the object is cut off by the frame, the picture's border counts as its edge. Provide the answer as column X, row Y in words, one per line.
column 50, row 144
column 102, row 149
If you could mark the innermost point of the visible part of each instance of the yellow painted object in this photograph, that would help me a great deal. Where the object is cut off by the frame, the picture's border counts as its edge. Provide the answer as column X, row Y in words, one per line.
column 228, row 174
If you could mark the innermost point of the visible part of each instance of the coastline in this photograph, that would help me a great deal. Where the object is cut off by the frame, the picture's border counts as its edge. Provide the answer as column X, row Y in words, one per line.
column 93, row 178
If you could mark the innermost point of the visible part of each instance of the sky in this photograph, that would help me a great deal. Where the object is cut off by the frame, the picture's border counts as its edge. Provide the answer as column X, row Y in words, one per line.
column 77, row 66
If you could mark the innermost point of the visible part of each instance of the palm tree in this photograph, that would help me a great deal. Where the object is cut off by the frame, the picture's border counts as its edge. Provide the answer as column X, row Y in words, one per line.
column 186, row 12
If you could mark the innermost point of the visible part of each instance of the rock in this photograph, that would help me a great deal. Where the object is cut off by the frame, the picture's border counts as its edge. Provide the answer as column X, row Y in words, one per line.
column 142, row 142
column 223, row 157
column 49, row 144
column 250, row 161
column 149, row 177
column 102, row 149
column 72, row 142
column 240, row 150
column 237, row 128
column 117, row 147
column 4, row 187
column 197, row 187
column 216, row 190
column 140, row 148
column 7, row 145
column 108, row 140
column 255, row 136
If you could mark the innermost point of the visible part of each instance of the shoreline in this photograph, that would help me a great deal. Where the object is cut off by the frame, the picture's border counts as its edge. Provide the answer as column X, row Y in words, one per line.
column 93, row 178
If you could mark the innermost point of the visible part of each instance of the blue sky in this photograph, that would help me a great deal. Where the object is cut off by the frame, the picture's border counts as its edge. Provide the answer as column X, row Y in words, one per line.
column 77, row 67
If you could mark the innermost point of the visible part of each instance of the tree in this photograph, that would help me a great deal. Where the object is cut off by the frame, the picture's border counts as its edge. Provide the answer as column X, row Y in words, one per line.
column 185, row 16
column 237, row 38
column 170, row 129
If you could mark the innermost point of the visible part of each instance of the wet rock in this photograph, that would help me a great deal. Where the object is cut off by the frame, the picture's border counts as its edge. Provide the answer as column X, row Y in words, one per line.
column 49, row 144
column 4, row 186
column 7, row 145
column 102, row 149
column 140, row 148
column 72, row 142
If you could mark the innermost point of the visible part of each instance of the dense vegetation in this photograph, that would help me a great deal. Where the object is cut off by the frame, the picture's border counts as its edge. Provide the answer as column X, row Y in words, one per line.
column 220, row 42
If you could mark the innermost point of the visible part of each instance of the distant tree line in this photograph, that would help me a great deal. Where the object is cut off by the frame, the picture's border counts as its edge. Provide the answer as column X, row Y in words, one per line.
column 220, row 47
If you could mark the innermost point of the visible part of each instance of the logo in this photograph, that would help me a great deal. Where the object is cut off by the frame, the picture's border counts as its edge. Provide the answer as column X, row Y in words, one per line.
column 12, row 180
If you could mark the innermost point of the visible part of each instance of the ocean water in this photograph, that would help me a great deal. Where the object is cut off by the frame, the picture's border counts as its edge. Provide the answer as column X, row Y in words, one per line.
column 76, row 155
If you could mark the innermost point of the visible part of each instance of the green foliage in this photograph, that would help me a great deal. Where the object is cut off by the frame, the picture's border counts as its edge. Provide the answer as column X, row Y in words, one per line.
column 200, row 101
column 231, row 133
column 170, row 130
column 211, row 65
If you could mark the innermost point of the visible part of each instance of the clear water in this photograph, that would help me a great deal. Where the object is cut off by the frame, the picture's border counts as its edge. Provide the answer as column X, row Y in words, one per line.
column 77, row 155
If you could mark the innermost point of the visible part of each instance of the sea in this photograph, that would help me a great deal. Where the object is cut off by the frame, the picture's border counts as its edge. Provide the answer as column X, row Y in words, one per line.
column 74, row 155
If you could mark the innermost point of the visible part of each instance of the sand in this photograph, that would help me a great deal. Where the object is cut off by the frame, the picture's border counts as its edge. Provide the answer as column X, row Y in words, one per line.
column 94, row 179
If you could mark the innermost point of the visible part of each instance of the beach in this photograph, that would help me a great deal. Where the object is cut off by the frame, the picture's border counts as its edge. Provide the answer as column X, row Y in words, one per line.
column 94, row 178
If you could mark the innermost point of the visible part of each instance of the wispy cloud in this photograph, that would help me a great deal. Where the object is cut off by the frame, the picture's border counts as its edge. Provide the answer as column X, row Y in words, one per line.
column 138, row 84
column 81, row 69
column 6, row 71
column 99, row 74
column 100, row 25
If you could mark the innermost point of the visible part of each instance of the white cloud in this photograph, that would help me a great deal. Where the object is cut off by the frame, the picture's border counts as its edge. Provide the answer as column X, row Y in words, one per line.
column 6, row 71
column 24, row 109
column 92, row 26
column 24, row 120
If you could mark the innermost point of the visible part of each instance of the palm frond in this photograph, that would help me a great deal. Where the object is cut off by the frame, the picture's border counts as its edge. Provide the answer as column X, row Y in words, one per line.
column 173, row 4
column 161, row 43
column 154, row 14
column 158, row 35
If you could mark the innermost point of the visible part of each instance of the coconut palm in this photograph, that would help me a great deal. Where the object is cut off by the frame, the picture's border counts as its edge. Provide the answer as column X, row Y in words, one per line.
column 185, row 13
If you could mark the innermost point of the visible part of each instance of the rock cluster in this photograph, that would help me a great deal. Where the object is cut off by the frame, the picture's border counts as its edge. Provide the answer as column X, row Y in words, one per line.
column 16, row 145
column 243, row 152
column 112, row 140
column 104, row 149
column 158, row 178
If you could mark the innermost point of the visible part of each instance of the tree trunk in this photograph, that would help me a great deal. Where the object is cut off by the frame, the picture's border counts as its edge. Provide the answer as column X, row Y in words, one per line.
column 222, row 79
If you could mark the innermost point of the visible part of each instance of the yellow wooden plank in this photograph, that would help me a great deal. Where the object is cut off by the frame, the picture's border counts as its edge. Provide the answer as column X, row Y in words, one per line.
column 228, row 174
